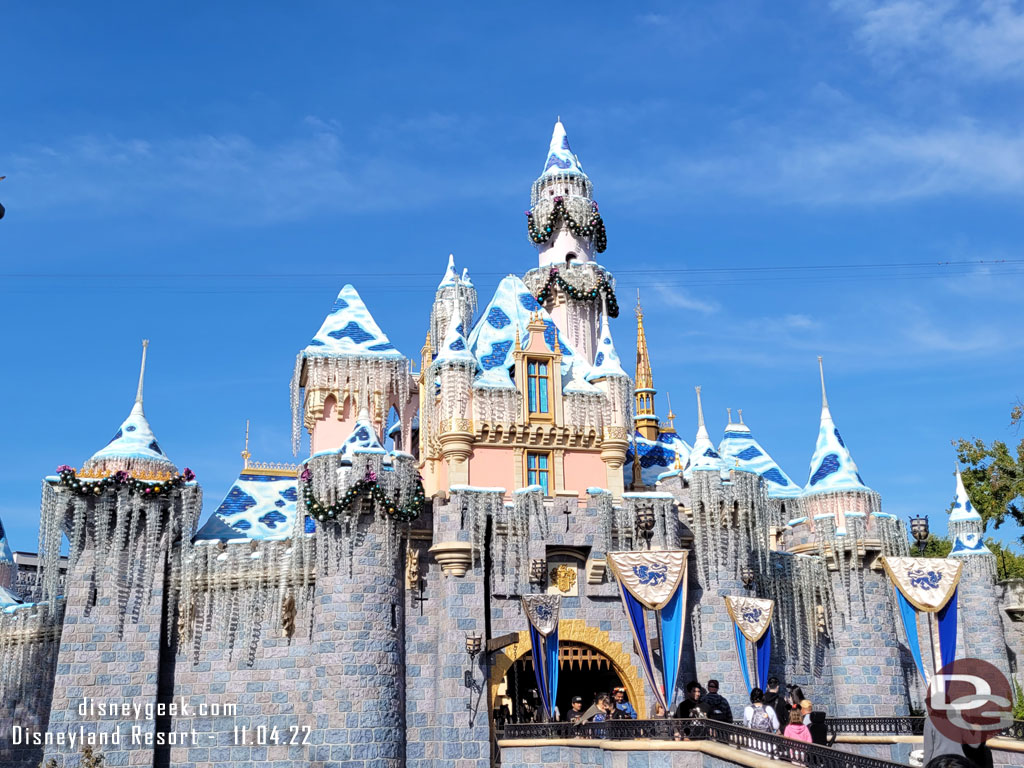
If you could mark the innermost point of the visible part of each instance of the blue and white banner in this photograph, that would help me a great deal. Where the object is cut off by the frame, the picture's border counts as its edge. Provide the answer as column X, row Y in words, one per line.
column 542, row 612
column 752, row 619
column 655, row 580
column 927, row 585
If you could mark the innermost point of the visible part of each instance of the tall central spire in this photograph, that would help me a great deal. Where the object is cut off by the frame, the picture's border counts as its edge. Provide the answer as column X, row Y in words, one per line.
column 142, row 372
column 646, row 420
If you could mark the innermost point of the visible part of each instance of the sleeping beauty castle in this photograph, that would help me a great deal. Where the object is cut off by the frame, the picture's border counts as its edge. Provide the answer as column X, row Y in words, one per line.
column 476, row 535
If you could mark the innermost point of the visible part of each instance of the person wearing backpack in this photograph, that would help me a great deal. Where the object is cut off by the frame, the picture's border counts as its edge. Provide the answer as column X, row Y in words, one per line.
column 759, row 717
column 718, row 706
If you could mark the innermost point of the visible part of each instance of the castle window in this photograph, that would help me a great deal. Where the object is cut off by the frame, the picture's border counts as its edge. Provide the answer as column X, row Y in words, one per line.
column 538, row 470
column 538, row 386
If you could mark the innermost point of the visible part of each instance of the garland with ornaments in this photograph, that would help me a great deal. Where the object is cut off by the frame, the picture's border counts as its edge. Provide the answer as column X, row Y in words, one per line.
column 148, row 488
column 540, row 232
column 368, row 486
column 603, row 288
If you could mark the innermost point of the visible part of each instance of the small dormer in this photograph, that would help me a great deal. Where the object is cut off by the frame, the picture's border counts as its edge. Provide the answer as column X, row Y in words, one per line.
column 538, row 375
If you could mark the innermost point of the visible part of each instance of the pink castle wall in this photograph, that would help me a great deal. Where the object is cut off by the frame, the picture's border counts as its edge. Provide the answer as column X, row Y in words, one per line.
column 329, row 433
column 493, row 466
column 584, row 469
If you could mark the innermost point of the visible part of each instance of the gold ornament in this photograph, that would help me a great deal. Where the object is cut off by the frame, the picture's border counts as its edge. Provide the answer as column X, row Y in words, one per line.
column 564, row 577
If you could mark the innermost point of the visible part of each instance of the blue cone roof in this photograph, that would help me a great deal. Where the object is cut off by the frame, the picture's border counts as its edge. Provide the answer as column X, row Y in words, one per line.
column 561, row 159
column 740, row 450
column 832, row 467
column 606, row 361
column 134, row 439
column 963, row 510
column 259, row 506
column 349, row 330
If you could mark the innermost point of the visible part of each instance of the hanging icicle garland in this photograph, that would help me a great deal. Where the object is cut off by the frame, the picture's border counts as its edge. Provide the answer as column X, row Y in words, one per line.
column 29, row 642
column 541, row 231
column 368, row 487
column 150, row 487
column 603, row 289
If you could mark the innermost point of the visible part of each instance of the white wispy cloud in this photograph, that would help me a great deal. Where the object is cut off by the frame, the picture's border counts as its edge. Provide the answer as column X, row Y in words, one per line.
column 681, row 299
column 972, row 39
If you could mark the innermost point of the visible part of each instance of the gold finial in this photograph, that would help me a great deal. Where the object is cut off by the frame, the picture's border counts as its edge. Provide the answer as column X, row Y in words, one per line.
column 142, row 371
column 519, row 344
column 245, row 451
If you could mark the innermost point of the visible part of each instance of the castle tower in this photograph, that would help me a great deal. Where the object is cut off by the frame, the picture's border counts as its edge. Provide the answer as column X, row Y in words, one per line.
column 455, row 293
column 841, row 517
column 359, row 593
column 981, row 625
column 564, row 223
column 608, row 375
column 129, row 515
column 646, row 420
column 453, row 369
column 8, row 570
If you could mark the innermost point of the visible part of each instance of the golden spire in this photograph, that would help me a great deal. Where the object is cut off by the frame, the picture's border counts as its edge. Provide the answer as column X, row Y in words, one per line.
column 245, row 451
column 646, row 420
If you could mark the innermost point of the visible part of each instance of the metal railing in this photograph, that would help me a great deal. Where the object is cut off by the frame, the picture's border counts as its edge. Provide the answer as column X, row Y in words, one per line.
column 900, row 726
column 770, row 745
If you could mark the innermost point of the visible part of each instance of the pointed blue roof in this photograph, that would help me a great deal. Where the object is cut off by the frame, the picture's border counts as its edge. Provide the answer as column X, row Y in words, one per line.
column 560, row 159
column 450, row 275
column 832, row 467
column 656, row 456
column 606, row 361
column 963, row 510
column 8, row 598
column 493, row 338
column 259, row 506
column 739, row 449
column 349, row 330
column 703, row 456
column 970, row 544
column 363, row 438
column 134, row 439
column 453, row 348
column 6, row 556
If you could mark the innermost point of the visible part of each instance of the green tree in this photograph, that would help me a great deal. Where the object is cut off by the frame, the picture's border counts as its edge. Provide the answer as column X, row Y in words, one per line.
column 1009, row 563
column 994, row 474
column 936, row 546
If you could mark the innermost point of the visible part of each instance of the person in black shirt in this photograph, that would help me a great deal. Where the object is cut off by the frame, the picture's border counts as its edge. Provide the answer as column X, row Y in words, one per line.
column 717, row 705
column 777, row 702
column 692, row 706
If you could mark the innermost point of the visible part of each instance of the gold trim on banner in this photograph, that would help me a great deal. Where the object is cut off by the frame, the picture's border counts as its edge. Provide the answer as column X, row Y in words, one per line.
column 731, row 600
column 645, row 555
column 922, row 562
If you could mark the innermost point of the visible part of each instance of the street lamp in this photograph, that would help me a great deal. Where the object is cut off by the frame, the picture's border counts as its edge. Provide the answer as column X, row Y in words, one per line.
column 747, row 577
column 538, row 570
column 919, row 530
column 645, row 525
column 473, row 644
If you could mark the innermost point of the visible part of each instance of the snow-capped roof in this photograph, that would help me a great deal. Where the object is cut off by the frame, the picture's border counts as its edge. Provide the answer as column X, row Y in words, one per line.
column 832, row 466
column 6, row 556
column 703, row 456
column 453, row 348
column 656, row 457
column 8, row 598
column 606, row 361
column 969, row 544
column 259, row 506
column 134, row 439
column 493, row 338
column 560, row 159
column 349, row 330
column 363, row 438
column 739, row 449
column 450, row 275
column 963, row 510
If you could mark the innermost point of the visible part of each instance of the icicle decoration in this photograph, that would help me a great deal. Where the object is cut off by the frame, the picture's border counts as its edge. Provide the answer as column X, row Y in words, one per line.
column 475, row 505
column 799, row 585
column 29, row 642
column 371, row 381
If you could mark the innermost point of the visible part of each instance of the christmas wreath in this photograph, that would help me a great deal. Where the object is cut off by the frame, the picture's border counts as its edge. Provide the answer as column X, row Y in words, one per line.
column 540, row 232
column 603, row 288
column 368, row 486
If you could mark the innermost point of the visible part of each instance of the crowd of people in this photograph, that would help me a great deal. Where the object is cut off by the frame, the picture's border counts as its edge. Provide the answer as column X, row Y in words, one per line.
column 792, row 715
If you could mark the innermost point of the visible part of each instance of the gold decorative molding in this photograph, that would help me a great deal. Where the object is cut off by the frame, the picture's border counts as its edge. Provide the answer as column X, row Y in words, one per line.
column 576, row 631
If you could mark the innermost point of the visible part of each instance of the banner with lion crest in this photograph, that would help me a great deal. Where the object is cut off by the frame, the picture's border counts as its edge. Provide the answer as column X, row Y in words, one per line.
column 752, row 620
column 542, row 612
column 927, row 585
column 655, row 580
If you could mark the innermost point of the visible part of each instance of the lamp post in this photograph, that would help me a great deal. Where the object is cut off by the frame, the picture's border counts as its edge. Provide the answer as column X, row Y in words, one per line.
column 747, row 577
column 645, row 525
column 919, row 530
column 474, row 643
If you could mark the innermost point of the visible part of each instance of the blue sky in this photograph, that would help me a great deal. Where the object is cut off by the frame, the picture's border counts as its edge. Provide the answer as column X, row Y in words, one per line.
column 209, row 178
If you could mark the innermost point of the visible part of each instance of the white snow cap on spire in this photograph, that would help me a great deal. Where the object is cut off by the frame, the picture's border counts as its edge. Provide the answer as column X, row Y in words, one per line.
column 560, row 157
column 606, row 361
column 703, row 457
column 349, row 330
column 450, row 275
column 832, row 466
column 963, row 510
column 453, row 348
column 740, row 450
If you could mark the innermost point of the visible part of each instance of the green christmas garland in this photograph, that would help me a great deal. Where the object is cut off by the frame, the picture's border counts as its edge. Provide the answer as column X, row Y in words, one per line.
column 368, row 486
column 603, row 288
column 147, row 488
column 594, row 228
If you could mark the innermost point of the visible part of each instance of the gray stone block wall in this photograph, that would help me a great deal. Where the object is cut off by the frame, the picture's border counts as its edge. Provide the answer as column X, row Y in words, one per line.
column 979, row 621
column 867, row 669
column 715, row 648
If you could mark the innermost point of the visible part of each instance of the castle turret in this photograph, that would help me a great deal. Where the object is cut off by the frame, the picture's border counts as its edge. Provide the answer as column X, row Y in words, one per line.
column 608, row 375
column 455, row 294
column 841, row 519
column 128, row 515
column 981, row 627
column 453, row 369
column 564, row 223
column 646, row 418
